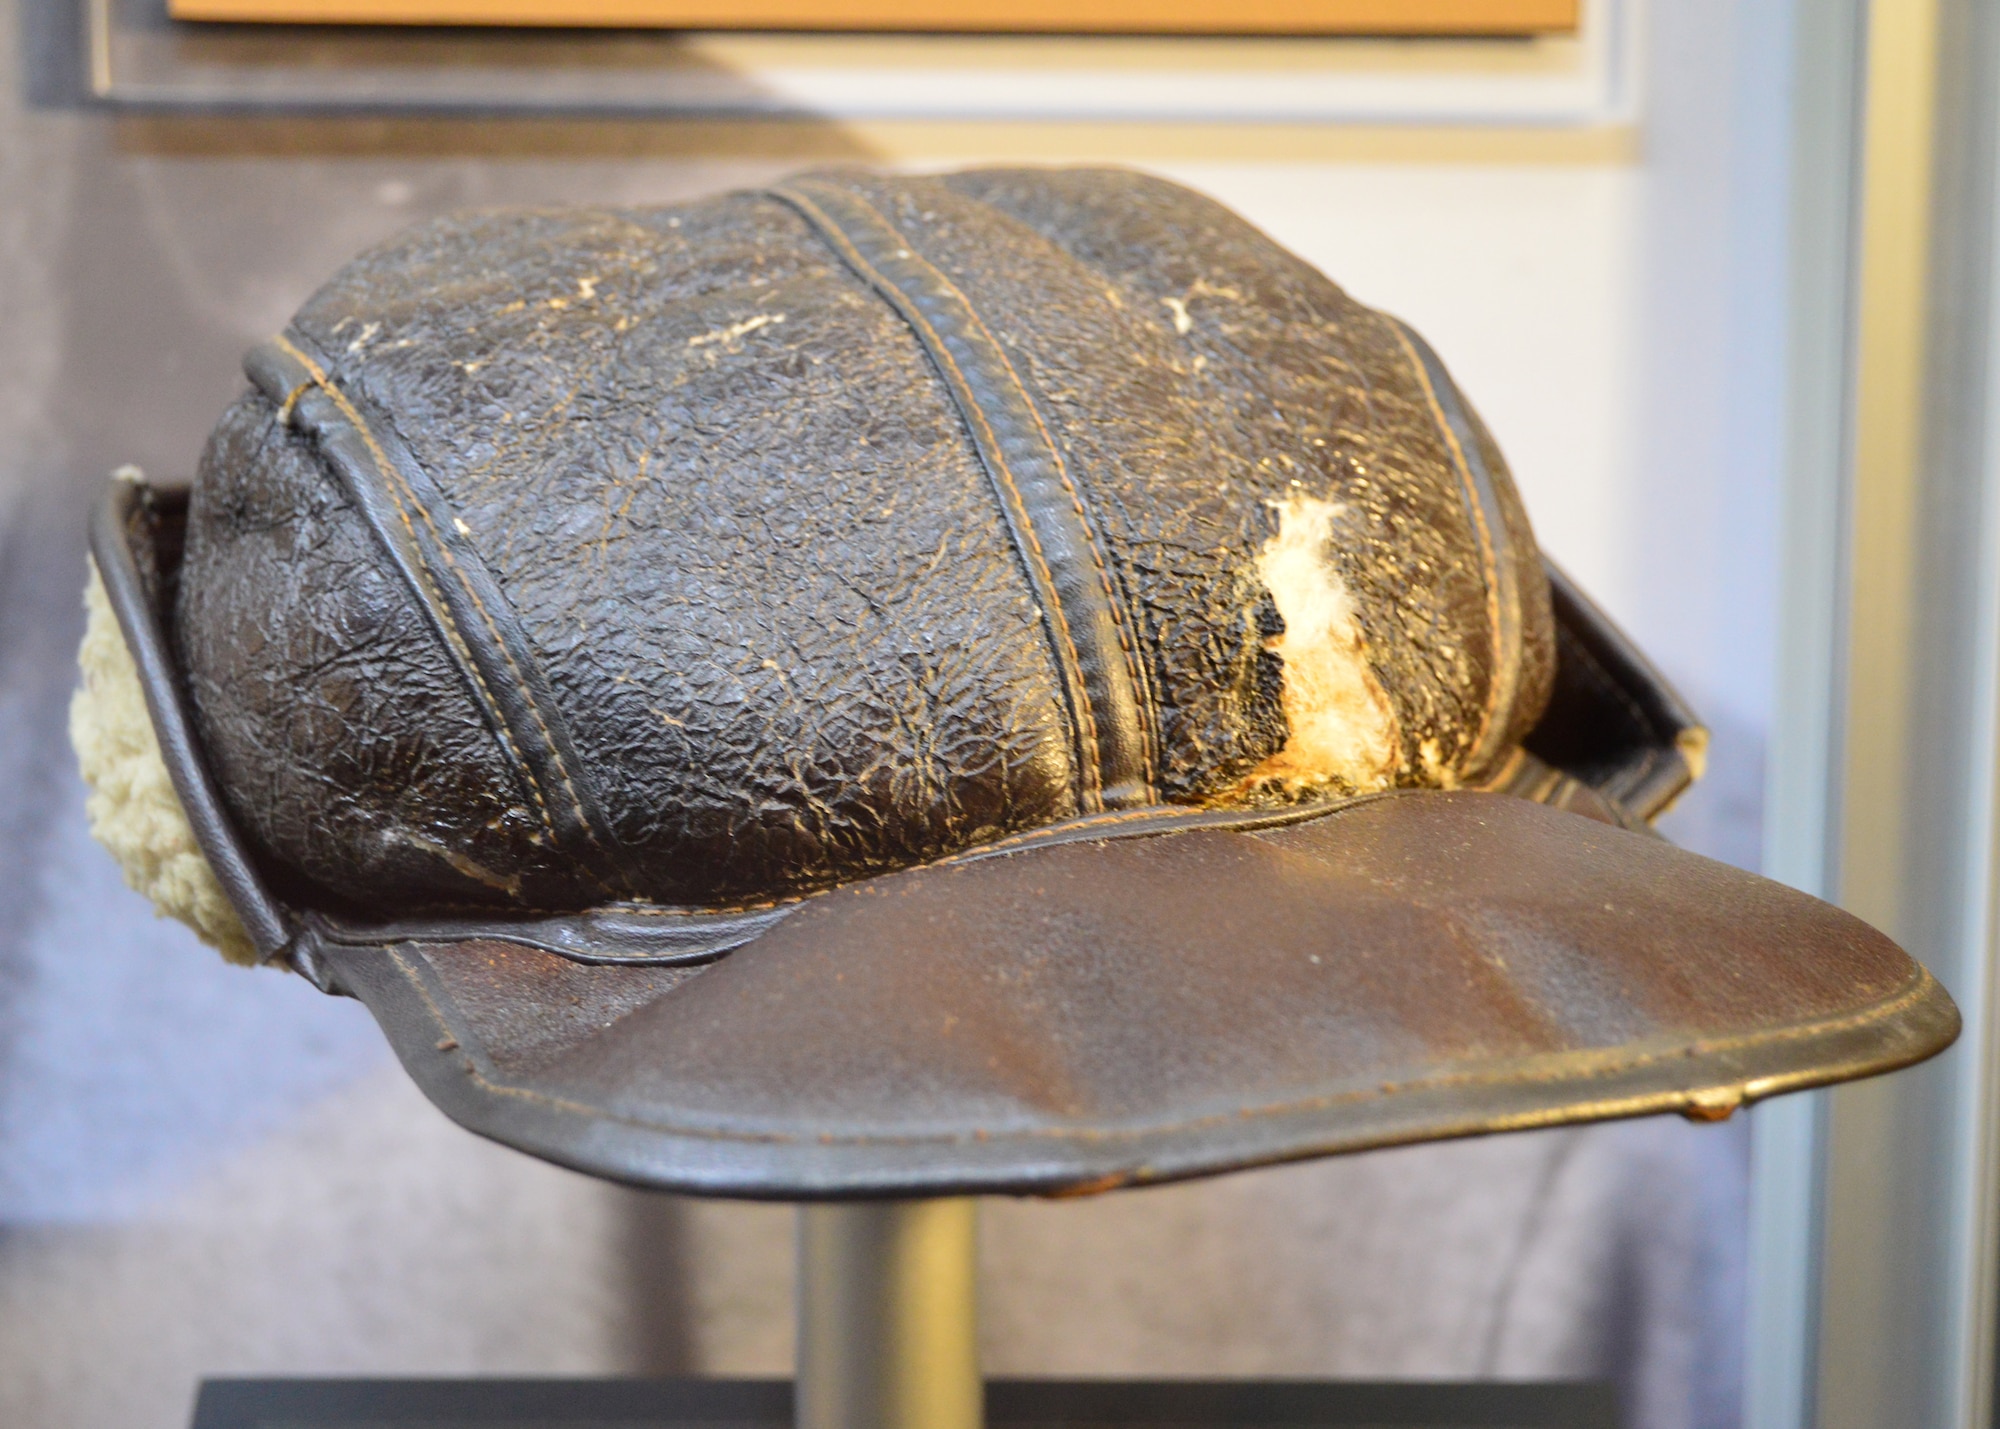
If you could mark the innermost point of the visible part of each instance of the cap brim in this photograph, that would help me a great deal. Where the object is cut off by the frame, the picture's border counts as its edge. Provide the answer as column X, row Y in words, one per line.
column 1094, row 1014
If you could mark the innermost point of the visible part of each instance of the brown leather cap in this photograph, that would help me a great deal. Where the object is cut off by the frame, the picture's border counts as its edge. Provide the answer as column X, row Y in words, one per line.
column 993, row 681
column 1094, row 1007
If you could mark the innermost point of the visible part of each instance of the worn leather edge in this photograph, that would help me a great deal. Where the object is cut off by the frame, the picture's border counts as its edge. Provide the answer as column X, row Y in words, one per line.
column 137, row 610
column 1703, row 1079
column 1089, row 631
column 654, row 935
column 600, row 937
column 1489, row 523
column 433, row 552
column 1649, row 783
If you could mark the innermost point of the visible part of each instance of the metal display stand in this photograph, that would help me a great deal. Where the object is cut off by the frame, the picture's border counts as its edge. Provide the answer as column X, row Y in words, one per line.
column 888, row 1318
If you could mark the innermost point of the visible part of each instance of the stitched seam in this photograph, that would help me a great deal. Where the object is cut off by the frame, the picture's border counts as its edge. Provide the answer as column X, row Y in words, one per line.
column 702, row 910
column 389, row 473
column 1111, row 599
column 1139, row 669
column 972, row 413
column 1160, row 813
column 1488, row 557
column 520, row 681
column 1634, row 781
column 1796, row 1032
column 394, row 487
column 1505, row 770
column 1089, row 715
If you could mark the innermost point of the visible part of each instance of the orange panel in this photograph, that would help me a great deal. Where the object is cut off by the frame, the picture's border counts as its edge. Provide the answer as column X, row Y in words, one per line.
column 1325, row 17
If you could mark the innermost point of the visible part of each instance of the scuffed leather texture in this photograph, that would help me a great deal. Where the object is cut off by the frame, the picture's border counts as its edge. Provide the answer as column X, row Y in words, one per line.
column 1417, row 965
column 299, row 640
column 1278, row 378
column 1137, row 995
column 737, row 522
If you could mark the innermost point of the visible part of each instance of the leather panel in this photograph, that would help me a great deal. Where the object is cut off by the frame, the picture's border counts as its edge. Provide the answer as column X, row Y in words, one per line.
column 774, row 685
column 423, row 538
column 1171, row 304
column 1088, row 627
column 1418, row 965
column 342, row 736
column 747, row 598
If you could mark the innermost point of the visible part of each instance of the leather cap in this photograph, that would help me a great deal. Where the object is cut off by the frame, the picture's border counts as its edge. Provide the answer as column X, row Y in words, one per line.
column 1136, row 999
column 887, row 684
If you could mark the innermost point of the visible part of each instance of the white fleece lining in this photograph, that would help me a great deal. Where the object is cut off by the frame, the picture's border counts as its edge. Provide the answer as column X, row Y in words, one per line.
column 1342, row 726
column 133, row 809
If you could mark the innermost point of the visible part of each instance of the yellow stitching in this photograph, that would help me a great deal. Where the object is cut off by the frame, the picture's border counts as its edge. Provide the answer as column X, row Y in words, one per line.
column 527, row 696
column 1162, row 813
column 1111, row 599
column 1505, row 770
column 291, row 399
column 383, row 466
column 1088, row 722
column 1488, row 557
column 1055, row 602
column 692, row 910
column 1231, row 819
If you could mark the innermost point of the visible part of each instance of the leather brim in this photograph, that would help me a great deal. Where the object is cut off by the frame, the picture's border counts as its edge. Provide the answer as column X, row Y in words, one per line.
column 1095, row 1014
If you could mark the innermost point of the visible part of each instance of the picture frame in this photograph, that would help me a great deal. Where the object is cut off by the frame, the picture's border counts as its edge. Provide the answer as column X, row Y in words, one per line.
column 1304, row 17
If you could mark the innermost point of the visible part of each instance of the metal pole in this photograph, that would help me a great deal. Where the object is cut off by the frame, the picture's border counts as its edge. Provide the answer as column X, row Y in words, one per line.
column 888, row 1333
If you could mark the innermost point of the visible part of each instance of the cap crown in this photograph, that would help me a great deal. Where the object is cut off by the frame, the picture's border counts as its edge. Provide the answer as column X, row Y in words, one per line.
column 712, row 554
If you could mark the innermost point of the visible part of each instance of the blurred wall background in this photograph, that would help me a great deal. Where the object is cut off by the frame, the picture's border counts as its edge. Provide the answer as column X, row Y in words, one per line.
column 204, row 1170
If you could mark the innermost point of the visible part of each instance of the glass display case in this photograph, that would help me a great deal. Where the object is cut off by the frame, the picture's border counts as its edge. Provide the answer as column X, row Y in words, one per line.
column 1687, row 261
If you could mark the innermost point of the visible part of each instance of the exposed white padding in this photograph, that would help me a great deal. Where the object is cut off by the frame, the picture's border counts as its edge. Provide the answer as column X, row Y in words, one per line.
column 1342, row 726
column 133, row 809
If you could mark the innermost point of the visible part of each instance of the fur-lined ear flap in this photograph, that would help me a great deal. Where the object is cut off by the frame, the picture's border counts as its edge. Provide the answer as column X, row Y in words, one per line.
column 133, row 809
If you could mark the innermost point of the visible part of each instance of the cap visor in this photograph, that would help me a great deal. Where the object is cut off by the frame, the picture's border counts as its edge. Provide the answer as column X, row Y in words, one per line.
column 1092, row 1014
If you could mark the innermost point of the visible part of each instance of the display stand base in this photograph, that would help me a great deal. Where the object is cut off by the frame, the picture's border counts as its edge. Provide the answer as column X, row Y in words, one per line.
column 1009, row 1404
column 888, row 1338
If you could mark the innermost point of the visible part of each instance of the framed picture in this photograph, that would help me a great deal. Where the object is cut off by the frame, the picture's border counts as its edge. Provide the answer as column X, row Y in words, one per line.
column 1295, row 17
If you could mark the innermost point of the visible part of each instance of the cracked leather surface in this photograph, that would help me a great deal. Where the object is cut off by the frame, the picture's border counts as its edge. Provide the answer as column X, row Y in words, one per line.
column 746, row 537
column 1246, row 371
column 347, row 735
